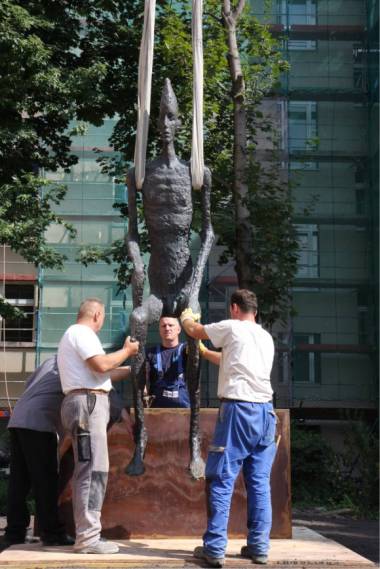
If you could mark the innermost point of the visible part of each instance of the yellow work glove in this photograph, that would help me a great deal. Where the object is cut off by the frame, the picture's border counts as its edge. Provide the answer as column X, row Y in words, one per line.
column 188, row 314
column 202, row 347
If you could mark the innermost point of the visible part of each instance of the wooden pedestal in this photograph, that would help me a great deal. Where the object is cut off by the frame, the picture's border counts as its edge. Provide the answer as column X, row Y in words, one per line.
column 165, row 501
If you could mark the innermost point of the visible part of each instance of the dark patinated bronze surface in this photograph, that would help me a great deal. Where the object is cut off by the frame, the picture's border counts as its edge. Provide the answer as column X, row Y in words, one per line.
column 174, row 280
column 164, row 502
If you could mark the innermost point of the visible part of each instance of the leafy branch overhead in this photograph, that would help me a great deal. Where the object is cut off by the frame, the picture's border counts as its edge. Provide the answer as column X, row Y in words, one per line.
column 37, row 68
column 55, row 69
column 26, row 213
column 251, row 206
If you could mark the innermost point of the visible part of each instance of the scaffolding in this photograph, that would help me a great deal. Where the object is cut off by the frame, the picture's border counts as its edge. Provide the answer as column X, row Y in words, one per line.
column 331, row 351
column 328, row 104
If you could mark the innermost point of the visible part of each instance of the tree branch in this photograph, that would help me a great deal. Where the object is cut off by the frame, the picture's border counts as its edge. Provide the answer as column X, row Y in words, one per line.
column 227, row 13
column 239, row 9
column 209, row 15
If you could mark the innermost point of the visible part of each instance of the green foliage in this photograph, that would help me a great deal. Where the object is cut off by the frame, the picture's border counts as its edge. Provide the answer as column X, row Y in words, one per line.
column 7, row 310
column 26, row 213
column 359, row 464
column 313, row 467
column 43, row 85
column 53, row 69
column 111, row 43
column 36, row 61
column 274, row 251
column 324, row 477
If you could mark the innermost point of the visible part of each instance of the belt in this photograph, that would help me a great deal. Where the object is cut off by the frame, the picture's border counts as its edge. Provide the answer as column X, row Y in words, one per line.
column 228, row 400
column 85, row 391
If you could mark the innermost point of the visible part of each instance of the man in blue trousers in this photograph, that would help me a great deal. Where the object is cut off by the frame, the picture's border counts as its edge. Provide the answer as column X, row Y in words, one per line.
column 244, row 435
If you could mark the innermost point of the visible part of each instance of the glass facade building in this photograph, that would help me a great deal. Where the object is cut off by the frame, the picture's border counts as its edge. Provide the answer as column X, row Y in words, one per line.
column 328, row 107
column 330, row 119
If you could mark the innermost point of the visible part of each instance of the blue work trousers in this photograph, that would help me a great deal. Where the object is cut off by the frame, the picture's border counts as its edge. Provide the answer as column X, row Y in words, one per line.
column 244, row 438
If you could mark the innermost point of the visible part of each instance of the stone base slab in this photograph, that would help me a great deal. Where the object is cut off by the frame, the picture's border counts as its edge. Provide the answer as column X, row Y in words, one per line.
column 165, row 502
column 306, row 549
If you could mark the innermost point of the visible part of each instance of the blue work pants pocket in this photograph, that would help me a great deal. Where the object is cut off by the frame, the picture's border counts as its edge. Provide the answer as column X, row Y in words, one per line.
column 215, row 462
column 269, row 429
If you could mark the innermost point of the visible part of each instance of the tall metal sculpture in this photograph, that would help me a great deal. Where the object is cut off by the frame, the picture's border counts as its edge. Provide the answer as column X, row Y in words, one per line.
column 173, row 280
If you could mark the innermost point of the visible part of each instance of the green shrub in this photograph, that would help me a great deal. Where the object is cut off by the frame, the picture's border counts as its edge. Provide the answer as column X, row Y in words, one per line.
column 313, row 467
column 324, row 477
column 360, row 467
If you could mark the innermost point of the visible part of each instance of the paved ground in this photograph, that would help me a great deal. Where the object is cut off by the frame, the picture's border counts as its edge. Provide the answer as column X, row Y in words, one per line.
column 308, row 550
column 361, row 536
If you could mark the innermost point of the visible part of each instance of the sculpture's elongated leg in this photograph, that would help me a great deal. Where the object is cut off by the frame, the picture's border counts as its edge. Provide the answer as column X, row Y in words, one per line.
column 139, row 325
column 193, row 374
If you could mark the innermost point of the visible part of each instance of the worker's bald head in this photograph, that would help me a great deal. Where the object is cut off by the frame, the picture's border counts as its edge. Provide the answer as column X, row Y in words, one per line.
column 89, row 307
column 91, row 313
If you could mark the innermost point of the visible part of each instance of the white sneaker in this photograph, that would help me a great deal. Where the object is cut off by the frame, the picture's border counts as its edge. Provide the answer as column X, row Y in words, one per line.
column 101, row 547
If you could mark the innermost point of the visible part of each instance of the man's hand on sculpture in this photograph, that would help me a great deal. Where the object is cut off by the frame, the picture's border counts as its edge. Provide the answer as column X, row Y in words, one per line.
column 188, row 314
column 131, row 345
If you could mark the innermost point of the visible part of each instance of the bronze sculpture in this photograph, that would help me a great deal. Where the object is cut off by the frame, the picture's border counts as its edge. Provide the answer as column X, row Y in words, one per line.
column 174, row 282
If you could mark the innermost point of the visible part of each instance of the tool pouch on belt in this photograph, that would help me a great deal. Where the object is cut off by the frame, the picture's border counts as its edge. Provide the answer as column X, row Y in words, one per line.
column 84, row 445
column 83, row 435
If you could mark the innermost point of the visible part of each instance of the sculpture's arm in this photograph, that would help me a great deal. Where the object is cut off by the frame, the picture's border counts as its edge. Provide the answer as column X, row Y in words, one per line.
column 133, row 242
column 207, row 239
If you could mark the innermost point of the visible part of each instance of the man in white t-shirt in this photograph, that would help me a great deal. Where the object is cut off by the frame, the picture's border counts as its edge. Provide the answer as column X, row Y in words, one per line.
column 85, row 371
column 244, row 435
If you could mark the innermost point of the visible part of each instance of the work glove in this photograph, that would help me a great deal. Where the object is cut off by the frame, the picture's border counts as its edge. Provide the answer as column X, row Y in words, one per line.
column 202, row 348
column 188, row 314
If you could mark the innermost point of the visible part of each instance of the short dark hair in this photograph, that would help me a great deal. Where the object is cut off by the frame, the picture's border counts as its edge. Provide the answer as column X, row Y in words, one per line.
column 245, row 299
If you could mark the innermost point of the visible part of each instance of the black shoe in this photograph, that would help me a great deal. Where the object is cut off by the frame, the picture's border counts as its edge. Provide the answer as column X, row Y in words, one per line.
column 200, row 553
column 247, row 553
column 58, row 540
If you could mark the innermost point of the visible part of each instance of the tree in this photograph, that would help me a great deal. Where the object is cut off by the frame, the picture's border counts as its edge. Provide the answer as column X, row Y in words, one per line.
column 42, row 88
column 261, row 237
column 34, row 115
column 264, row 244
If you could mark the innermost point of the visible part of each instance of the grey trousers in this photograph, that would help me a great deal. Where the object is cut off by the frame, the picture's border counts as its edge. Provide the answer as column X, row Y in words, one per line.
column 85, row 418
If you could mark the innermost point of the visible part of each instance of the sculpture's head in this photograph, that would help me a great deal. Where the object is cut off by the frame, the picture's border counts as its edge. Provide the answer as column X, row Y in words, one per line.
column 168, row 121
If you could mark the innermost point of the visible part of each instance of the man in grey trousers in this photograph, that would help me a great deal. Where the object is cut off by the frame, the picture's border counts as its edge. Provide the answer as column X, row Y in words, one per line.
column 85, row 376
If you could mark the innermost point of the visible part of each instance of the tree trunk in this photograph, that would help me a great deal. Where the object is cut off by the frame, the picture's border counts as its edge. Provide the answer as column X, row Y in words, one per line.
column 243, row 228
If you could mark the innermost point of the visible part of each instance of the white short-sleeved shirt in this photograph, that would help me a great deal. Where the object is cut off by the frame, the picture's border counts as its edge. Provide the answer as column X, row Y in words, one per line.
column 247, row 359
column 78, row 344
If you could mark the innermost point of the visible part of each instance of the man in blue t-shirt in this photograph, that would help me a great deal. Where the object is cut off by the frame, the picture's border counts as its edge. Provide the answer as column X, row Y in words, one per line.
column 166, row 367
